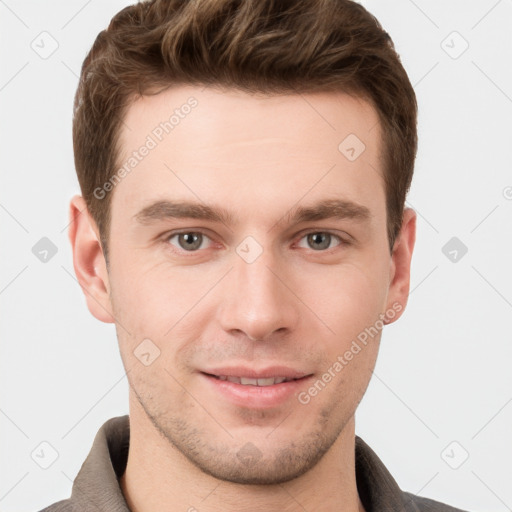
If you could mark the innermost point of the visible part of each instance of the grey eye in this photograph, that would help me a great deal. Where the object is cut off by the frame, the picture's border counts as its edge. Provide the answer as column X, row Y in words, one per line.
column 188, row 241
column 319, row 241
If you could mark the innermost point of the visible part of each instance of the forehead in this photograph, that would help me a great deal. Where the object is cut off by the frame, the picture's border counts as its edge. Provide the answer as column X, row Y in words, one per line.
column 225, row 116
column 204, row 143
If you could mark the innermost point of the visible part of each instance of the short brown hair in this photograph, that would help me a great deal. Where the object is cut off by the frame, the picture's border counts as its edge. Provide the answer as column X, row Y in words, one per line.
column 267, row 46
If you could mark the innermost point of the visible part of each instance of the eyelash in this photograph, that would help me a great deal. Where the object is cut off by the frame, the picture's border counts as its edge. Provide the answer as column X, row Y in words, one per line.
column 341, row 240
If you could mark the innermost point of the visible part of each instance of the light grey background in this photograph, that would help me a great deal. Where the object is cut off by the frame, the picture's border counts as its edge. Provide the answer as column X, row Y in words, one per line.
column 442, row 388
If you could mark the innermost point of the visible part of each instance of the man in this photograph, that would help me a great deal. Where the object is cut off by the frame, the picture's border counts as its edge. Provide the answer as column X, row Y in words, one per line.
column 243, row 168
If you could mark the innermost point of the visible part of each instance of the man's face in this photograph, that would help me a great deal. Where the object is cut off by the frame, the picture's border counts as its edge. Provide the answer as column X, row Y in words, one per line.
column 258, row 289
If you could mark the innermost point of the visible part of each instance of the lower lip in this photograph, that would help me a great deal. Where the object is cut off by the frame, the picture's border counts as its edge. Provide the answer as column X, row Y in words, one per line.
column 262, row 397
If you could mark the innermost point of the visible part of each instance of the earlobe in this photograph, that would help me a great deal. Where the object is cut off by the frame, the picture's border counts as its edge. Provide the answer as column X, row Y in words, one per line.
column 89, row 261
column 400, row 272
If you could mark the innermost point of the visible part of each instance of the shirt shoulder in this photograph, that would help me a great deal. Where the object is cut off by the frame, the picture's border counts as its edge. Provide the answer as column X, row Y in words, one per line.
column 96, row 487
column 379, row 491
column 61, row 506
column 429, row 505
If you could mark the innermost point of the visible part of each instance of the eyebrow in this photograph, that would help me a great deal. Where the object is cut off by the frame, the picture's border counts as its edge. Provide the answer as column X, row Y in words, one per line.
column 325, row 209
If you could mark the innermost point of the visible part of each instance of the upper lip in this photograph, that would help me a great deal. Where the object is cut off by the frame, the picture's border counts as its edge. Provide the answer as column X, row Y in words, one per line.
column 263, row 373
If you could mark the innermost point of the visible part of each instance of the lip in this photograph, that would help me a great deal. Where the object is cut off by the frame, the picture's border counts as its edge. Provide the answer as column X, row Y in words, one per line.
column 256, row 397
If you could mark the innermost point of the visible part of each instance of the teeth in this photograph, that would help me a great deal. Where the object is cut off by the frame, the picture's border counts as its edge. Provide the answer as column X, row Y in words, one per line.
column 245, row 380
column 254, row 382
column 265, row 382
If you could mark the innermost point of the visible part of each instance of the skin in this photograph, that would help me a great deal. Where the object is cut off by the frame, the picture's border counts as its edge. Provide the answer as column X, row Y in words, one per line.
column 299, row 304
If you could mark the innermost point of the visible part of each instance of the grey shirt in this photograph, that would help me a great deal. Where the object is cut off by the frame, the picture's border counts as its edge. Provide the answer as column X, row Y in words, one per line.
column 96, row 487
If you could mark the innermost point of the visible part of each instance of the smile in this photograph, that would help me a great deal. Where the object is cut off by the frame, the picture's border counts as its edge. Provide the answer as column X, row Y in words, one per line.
column 246, row 381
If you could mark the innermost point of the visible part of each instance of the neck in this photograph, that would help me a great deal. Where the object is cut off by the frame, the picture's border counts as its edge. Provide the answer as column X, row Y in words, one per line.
column 157, row 473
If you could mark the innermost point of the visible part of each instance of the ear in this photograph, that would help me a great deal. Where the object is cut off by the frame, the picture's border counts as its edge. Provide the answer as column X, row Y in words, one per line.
column 88, row 260
column 400, row 270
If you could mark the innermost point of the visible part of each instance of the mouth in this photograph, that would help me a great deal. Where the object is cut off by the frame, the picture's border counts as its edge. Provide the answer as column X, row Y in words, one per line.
column 271, row 390
column 247, row 381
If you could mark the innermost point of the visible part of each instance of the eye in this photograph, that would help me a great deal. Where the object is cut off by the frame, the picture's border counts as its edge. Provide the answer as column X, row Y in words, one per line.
column 321, row 240
column 188, row 241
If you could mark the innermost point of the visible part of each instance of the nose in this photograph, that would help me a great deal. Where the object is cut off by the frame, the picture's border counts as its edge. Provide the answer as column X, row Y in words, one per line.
column 257, row 299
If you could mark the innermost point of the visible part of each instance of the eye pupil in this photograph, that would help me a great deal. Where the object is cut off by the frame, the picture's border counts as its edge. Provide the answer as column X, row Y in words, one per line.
column 191, row 240
column 324, row 239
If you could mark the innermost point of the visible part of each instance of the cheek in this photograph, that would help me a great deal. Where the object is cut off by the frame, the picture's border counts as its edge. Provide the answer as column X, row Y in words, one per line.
column 152, row 298
column 348, row 298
